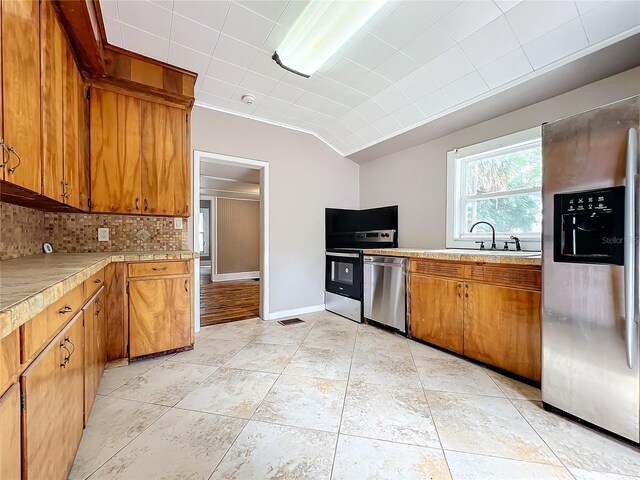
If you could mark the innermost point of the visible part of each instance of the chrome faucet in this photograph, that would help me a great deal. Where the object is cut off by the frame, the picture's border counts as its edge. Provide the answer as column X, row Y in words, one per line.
column 493, row 235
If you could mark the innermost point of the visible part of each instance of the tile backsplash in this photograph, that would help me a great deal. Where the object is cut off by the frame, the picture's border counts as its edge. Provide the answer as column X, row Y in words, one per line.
column 21, row 231
column 24, row 230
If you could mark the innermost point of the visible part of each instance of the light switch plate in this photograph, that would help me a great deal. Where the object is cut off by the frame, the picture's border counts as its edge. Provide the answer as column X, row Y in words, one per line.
column 103, row 234
column 177, row 223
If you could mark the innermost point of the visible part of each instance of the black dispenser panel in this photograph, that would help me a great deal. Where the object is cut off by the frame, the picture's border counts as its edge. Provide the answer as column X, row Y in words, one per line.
column 589, row 226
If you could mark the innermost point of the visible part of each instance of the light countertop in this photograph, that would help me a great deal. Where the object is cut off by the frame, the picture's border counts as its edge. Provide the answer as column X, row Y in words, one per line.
column 30, row 284
column 478, row 256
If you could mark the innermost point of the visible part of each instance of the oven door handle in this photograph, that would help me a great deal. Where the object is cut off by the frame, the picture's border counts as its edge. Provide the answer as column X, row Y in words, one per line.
column 343, row 255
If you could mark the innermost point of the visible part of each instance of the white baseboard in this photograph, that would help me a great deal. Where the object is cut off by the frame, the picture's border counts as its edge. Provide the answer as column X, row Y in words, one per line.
column 294, row 312
column 223, row 277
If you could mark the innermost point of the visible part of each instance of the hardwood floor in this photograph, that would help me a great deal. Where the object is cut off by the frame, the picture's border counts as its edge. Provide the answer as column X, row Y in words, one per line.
column 222, row 302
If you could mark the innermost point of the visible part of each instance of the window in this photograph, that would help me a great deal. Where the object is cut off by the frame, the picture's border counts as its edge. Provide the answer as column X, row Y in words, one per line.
column 498, row 181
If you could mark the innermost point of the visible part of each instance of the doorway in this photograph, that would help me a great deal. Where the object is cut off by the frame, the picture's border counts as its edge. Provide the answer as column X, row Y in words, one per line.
column 231, row 233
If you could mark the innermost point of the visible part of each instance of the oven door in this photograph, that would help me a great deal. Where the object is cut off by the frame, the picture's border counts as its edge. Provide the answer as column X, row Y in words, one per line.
column 344, row 274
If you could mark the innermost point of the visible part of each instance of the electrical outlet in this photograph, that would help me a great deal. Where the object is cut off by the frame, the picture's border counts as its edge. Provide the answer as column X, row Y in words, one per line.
column 177, row 223
column 103, row 234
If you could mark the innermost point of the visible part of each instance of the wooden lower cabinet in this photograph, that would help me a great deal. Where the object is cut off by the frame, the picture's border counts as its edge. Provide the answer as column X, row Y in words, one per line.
column 160, row 316
column 53, row 388
column 436, row 308
column 502, row 328
column 10, row 458
column 95, row 349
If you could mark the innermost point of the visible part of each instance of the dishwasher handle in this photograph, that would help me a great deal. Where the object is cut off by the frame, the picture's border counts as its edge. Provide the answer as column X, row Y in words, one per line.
column 379, row 264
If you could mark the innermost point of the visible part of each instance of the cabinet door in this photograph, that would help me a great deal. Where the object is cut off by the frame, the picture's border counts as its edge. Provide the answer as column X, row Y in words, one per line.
column 53, row 413
column 10, row 457
column 21, row 92
column 436, row 309
column 502, row 328
column 159, row 315
column 84, row 179
column 182, row 194
column 115, row 152
column 162, row 149
column 91, row 356
column 53, row 49
column 71, row 101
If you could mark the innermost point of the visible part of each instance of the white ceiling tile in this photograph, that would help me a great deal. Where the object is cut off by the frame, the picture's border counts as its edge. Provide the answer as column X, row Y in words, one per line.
column 146, row 16
column 227, row 72
column 325, row 86
column 554, row 45
column 112, row 29
column 211, row 14
column 298, row 80
column 193, row 35
column 397, row 66
column 291, row 12
column 506, row 5
column 466, row 88
column 370, row 111
column 265, row 65
column 391, row 99
column 335, row 109
column 272, row 9
column 370, row 52
column 585, row 5
column 297, row 112
column 144, row 43
column 168, row 4
column 431, row 10
column 286, row 92
column 234, row 51
column 400, row 26
column 490, row 42
column 242, row 91
column 506, row 69
column 611, row 19
column 311, row 100
column 448, row 67
column 352, row 121
column 368, row 134
column 371, row 83
column 188, row 59
column 417, row 84
column 274, row 105
column 237, row 105
column 198, row 84
column 247, row 26
column 434, row 103
column 258, row 83
column 409, row 115
column 347, row 72
column 338, row 130
column 109, row 8
column 217, row 87
column 275, row 38
column 428, row 45
column 387, row 125
column 468, row 17
column 531, row 18
column 212, row 100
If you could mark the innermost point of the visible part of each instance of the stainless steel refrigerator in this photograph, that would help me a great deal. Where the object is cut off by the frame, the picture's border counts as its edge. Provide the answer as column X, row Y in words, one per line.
column 591, row 204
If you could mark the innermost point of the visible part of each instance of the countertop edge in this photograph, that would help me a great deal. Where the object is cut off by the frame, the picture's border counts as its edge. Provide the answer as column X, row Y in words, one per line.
column 457, row 257
column 17, row 314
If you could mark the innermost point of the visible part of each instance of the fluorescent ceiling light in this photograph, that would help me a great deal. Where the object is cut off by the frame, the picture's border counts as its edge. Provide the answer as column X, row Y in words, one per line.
column 319, row 32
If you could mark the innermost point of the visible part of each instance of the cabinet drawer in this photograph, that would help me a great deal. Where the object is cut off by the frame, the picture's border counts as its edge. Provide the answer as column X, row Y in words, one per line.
column 9, row 359
column 527, row 278
column 93, row 283
column 37, row 331
column 149, row 269
column 438, row 268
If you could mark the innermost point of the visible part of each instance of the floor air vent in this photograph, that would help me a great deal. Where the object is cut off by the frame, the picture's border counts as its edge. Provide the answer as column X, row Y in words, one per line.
column 290, row 321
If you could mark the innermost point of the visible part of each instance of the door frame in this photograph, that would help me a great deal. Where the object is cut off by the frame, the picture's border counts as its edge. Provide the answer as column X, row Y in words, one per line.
column 263, row 167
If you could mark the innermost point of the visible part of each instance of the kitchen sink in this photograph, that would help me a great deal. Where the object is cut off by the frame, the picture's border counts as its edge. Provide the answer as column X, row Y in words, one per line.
column 509, row 253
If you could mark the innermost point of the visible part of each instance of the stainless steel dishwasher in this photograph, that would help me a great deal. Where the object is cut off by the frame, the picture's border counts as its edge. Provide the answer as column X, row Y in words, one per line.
column 385, row 292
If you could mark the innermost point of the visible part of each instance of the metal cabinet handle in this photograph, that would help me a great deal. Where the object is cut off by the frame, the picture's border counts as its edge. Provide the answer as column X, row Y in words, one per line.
column 459, row 289
column 156, row 269
column 13, row 150
column 68, row 194
column 137, row 203
column 67, row 339
column 5, row 150
column 66, row 309
column 466, row 290
column 67, row 357
column 100, row 305
column 64, row 190
column 186, row 285
column 98, row 281
column 146, row 205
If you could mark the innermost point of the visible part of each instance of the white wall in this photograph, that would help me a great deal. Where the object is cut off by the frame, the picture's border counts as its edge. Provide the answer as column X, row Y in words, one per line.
column 415, row 179
column 306, row 176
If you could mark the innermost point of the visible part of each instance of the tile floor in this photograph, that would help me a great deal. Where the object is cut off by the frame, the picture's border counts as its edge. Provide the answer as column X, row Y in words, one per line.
column 330, row 399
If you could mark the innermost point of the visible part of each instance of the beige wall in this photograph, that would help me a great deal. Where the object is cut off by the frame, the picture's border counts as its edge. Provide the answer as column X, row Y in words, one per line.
column 415, row 179
column 237, row 247
column 306, row 177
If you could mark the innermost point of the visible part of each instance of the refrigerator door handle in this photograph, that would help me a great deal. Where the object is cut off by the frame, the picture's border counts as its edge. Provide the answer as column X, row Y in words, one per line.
column 630, row 250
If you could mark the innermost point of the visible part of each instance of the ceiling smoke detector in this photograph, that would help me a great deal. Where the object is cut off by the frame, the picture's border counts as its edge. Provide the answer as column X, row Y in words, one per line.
column 248, row 99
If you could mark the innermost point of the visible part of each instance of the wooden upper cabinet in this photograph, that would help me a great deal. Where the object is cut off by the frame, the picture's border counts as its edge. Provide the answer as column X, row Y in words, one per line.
column 84, row 177
column 159, row 315
column 502, row 328
column 115, row 152
column 182, row 192
column 53, row 52
column 21, row 92
column 436, row 311
column 72, row 155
